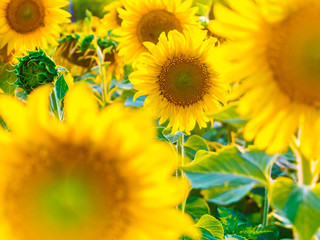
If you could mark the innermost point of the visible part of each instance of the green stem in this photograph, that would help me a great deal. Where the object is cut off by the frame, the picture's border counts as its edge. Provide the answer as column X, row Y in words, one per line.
column 55, row 105
column 305, row 175
column 265, row 209
column 305, row 170
column 104, row 84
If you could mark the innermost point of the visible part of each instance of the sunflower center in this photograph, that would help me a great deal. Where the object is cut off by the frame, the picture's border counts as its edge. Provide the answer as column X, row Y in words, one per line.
column 294, row 55
column 68, row 199
column 25, row 16
column 184, row 81
column 154, row 23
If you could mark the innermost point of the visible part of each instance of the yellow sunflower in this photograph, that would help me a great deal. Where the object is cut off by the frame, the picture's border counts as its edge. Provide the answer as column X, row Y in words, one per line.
column 31, row 23
column 99, row 175
column 111, row 20
column 146, row 20
column 276, row 50
column 181, row 80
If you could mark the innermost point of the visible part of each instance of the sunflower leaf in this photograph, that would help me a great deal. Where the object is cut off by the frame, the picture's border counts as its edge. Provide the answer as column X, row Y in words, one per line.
column 299, row 204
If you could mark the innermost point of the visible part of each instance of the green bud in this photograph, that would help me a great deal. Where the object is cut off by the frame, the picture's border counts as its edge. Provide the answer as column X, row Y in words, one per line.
column 34, row 70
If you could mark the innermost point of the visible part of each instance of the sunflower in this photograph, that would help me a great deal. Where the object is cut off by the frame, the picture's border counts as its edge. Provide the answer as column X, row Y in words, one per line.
column 94, row 176
column 30, row 23
column 276, row 50
column 146, row 20
column 180, row 79
column 112, row 20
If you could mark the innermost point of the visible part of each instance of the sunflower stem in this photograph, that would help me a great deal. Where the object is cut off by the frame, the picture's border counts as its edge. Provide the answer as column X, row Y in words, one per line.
column 55, row 105
column 104, row 83
column 265, row 209
column 305, row 175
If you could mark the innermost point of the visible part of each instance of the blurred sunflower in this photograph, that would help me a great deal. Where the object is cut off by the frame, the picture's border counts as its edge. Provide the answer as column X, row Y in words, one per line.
column 27, row 24
column 78, row 180
column 5, row 56
column 76, row 53
column 112, row 20
column 276, row 49
column 146, row 20
column 181, row 79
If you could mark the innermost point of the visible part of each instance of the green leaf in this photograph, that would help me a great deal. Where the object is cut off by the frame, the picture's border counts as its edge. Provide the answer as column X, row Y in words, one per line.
column 299, row 204
column 230, row 117
column 203, row 6
column 235, row 237
column 61, row 87
column 172, row 138
column 212, row 225
column 7, row 79
column 228, row 167
column 193, row 145
column 197, row 207
column 226, row 195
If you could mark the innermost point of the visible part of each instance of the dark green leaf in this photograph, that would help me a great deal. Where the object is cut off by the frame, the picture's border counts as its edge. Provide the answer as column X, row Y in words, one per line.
column 61, row 87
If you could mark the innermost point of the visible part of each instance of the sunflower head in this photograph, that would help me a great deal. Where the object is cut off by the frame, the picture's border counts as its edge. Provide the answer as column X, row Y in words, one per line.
column 77, row 50
column 34, row 70
column 182, row 79
column 31, row 23
column 111, row 20
column 146, row 20
column 275, row 54
column 100, row 174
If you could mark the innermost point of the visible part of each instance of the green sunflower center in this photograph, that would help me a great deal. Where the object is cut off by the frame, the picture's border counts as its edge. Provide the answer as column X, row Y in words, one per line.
column 68, row 199
column 152, row 24
column 25, row 16
column 184, row 81
column 294, row 55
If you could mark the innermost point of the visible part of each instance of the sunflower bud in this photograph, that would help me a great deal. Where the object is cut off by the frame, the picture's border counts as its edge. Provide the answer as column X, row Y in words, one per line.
column 34, row 70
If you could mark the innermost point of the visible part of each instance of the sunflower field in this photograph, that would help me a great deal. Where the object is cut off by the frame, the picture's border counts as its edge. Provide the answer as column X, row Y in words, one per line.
column 159, row 119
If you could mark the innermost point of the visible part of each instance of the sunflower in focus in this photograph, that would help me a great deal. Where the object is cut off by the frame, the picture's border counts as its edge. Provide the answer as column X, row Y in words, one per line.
column 27, row 24
column 77, row 180
column 276, row 50
column 181, row 80
column 112, row 20
column 146, row 20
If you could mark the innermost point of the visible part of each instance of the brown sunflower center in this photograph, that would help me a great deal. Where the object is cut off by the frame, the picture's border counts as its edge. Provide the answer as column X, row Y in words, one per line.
column 25, row 16
column 65, row 197
column 294, row 55
column 184, row 80
column 70, row 50
column 154, row 23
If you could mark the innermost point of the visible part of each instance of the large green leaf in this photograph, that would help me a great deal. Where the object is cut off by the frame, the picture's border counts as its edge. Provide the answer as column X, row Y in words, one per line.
column 173, row 138
column 211, row 225
column 230, row 117
column 193, row 145
column 226, row 195
column 300, row 204
column 228, row 167
column 197, row 207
